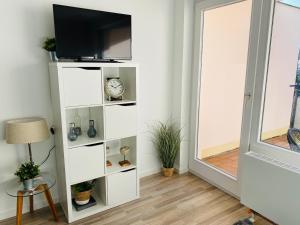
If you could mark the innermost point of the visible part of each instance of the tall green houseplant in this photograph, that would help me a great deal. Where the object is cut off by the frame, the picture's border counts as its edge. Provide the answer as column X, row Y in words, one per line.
column 167, row 139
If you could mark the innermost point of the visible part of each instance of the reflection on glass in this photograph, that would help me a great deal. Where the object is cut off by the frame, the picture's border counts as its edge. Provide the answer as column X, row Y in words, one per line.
column 281, row 116
column 223, row 71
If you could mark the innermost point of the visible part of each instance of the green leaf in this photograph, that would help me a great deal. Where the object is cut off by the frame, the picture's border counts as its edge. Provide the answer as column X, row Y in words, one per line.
column 49, row 45
column 167, row 140
column 84, row 186
column 27, row 171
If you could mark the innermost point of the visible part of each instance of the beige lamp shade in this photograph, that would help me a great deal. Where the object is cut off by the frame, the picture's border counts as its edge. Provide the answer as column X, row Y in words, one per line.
column 26, row 130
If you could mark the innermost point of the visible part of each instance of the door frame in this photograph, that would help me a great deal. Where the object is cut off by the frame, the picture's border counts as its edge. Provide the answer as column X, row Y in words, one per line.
column 202, row 169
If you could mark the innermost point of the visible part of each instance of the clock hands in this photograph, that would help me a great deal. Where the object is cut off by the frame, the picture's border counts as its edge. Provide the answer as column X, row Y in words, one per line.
column 115, row 86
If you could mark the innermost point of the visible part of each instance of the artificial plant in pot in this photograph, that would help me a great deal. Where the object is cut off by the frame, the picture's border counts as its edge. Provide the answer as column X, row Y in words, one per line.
column 26, row 173
column 82, row 192
column 50, row 46
column 167, row 139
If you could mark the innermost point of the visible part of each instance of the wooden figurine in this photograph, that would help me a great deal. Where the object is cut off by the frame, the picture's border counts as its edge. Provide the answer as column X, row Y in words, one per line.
column 124, row 151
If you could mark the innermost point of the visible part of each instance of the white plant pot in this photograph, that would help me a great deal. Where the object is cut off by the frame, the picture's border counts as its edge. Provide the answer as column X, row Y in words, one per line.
column 53, row 56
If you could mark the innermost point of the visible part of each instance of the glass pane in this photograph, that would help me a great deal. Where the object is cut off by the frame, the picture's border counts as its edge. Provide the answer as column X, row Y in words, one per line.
column 223, row 73
column 281, row 118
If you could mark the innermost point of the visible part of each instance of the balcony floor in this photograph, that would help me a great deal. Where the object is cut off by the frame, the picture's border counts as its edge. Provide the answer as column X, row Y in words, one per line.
column 228, row 161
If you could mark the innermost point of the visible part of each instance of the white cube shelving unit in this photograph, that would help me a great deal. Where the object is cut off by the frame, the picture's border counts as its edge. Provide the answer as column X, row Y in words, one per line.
column 78, row 89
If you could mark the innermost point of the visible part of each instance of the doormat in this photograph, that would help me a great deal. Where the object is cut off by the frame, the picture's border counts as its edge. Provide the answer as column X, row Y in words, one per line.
column 248, row 221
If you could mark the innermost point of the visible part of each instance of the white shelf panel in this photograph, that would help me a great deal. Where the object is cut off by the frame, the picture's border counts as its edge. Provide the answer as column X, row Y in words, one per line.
column 119, row 102
column 83, row 106
column 84, row 140
column 115, row 168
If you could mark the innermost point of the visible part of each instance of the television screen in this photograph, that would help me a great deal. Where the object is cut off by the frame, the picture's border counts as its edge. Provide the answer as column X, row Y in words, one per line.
column 84, row 33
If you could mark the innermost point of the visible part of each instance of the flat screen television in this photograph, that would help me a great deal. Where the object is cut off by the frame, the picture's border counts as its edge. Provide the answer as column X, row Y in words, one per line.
column 91, row 34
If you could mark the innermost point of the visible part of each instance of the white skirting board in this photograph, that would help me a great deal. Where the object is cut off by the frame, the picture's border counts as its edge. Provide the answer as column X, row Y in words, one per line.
column 271, row 188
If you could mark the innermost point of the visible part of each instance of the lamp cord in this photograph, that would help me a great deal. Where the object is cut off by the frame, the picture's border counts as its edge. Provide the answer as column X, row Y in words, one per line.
column 47, row 155
column 30, row 153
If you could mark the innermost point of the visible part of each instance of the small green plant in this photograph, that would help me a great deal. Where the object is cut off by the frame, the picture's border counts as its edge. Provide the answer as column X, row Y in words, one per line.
column 27, row 171
column 167, row 139
column 84, row 186
column 49, row 45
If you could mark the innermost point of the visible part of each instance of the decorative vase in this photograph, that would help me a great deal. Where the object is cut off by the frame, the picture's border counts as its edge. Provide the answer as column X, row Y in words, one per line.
column 53, row 56
column 28, row 184
column 168, row 172
column 72, row 136
column 82, row 198
column 92, row 131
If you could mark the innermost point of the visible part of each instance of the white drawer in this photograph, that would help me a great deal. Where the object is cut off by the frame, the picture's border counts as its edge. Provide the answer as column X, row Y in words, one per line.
column 120, row 121
column 121, row 187
column 86, row 163
column 81, row 87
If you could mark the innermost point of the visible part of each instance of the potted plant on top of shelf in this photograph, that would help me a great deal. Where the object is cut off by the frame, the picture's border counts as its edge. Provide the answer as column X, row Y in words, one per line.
column 83, row 191
column 50, row 46
column 26, row 173
column 167, row 139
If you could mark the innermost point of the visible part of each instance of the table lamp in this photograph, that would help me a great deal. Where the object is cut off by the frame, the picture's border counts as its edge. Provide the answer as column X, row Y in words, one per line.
column 26, row 131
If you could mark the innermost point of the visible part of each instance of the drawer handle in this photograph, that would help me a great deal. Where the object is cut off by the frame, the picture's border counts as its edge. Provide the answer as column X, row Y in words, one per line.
column 124, row 171
column 90, row 68
column 127, row 104
column 94, row 144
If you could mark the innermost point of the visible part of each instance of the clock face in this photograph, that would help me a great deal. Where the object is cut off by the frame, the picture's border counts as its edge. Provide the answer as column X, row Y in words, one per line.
column 114, row 87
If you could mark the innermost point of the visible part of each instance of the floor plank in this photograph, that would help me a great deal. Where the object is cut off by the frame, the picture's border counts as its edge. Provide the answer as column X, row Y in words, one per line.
column 179, row 200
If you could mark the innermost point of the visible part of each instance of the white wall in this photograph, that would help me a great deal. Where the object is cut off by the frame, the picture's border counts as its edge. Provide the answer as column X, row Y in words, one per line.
column 24, row 86
column 223, row 72
column 181, row 86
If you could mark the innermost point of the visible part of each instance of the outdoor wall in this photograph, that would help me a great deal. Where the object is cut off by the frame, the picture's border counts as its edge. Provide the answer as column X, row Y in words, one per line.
column 224, row 58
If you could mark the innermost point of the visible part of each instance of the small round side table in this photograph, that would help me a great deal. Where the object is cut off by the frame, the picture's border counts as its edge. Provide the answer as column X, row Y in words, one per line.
column 42, row 184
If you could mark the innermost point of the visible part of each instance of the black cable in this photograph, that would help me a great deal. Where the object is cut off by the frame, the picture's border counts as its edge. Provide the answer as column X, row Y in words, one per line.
column 47, row 155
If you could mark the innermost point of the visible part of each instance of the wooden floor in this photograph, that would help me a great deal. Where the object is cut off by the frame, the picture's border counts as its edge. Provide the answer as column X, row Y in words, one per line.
column 228, row 161
column 179, row 200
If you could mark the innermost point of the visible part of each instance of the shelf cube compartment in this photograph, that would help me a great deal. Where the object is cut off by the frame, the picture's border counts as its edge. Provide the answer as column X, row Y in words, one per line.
column 121, row 187
column 82, row 86
column 114, row 156
column 99, row 193
column 85, row 114
column 120, row 121
column 128, row 77
column 86, row 162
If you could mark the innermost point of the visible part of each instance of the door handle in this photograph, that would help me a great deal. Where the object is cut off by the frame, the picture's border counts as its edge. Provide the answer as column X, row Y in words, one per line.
column 247, row 95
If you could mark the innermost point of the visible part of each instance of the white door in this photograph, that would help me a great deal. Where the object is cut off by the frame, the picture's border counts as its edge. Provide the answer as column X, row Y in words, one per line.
column 221, row 40
column 271, row 171
column 277, row 72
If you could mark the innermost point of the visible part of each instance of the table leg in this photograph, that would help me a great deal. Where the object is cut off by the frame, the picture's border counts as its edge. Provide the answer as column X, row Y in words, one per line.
column 19, row 208
column 31, row 203
column 50, row 202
